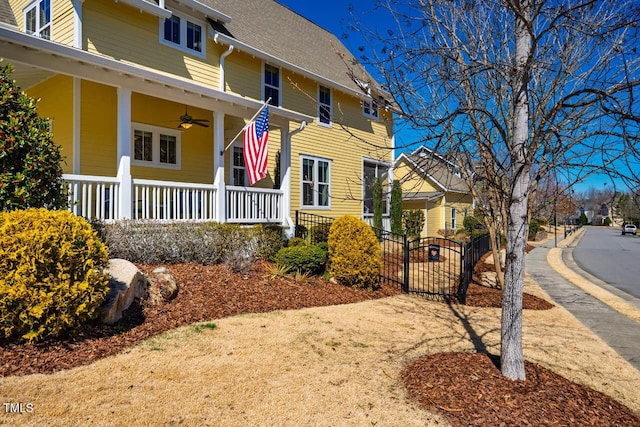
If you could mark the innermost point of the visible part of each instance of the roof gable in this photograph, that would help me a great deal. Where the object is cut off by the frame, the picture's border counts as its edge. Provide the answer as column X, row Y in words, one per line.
column 434, row 168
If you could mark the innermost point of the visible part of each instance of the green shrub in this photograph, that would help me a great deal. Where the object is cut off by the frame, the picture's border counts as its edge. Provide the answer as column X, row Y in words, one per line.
column 472, row 223
column 52, row 276
column 534, row 227
column 31, row 172
column 296, row 241
column 354, row 253
column 270, row 239
column 203, row 243
column 320, row 233
column 304, row 259
column 413, row 222
column 396, row 208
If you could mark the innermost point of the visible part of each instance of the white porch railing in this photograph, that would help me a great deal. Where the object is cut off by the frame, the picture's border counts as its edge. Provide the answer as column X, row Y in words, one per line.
column 386, row 221
column 173, row 200
column 253, row 205
column 93, row 196
column 98, row 197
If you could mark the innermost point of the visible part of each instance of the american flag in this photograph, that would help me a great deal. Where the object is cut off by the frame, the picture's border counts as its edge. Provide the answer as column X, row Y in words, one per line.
column 256, row 136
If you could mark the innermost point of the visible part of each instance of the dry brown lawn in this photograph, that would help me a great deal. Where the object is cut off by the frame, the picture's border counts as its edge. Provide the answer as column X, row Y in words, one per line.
column 326, row 366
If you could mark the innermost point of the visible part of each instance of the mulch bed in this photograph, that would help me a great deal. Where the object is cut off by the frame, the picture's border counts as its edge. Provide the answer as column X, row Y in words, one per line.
column 470, row 390
column 212, row 292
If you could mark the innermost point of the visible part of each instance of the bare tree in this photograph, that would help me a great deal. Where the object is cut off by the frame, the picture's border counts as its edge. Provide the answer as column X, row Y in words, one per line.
column 514, row 89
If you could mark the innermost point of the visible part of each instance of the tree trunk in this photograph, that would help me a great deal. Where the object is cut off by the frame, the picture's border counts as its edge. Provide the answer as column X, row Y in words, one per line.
column 511, row 354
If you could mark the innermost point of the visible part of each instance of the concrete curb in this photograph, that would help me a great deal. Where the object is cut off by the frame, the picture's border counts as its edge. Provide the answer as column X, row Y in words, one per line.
column 554, row 258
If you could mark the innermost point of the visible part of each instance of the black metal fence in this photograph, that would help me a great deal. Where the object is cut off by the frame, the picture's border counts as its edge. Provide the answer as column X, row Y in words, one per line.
column 473, row 251
column 311, row 227
column 431, row 267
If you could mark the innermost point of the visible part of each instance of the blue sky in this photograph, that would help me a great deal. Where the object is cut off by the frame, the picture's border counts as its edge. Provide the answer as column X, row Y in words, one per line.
column 334, row 16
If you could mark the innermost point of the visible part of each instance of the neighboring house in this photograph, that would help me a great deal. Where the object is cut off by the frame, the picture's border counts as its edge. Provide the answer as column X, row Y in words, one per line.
column 434, row 185
column 146, row 97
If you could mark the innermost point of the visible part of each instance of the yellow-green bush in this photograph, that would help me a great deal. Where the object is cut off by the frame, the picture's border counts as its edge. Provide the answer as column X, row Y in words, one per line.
column 354, row 253
column 51, row 273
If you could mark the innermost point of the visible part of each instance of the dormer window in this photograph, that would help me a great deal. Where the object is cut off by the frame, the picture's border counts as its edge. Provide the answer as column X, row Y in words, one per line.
column 370, row 109
column 37, row 19
column 183, row 33
column 271, row 84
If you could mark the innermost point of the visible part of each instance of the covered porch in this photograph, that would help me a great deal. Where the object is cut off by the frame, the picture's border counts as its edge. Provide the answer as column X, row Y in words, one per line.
column 103, row 177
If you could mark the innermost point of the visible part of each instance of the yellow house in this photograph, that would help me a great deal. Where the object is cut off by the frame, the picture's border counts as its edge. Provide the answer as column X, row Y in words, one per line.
column 149, row 99
column 435, row 186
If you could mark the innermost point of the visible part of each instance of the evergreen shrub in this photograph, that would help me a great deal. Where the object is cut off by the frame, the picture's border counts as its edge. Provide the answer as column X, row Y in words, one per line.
column 52, row 277
column 31, row 163
column 304, row 259
column 354, row 253
column 413, row 222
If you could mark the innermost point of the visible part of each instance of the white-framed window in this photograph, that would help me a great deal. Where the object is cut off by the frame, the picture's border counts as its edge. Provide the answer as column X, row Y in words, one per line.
column 315, row 182
column 453, row 218
column 370, row 109
column 155, row 146
column 37, row 19
column 324, row 105
column 238, row 169
column 184, row 33
column 271, row 84
column 371, row 170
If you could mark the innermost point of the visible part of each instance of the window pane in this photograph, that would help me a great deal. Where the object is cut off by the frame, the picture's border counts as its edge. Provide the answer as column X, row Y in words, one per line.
column 30, row 21
column 168, row 149
column 307, row 170
column 271, row 76
column 274, row 94
column 238, row 157
column 368, row 179
column 45, row 12
column 323, row 195
column 142, row 146
column 172, row 29
column 194, row 36
column 325, row 114
column 323, row 172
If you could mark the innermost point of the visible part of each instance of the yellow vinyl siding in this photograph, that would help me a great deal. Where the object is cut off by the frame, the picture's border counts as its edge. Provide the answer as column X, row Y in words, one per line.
column 434, row 218
column 243, row 75
column 460, row 202
column 121, row 32
column 98, row 132
column 196, row 146
column 56, row 104
column 62, row 21
column 412, row 180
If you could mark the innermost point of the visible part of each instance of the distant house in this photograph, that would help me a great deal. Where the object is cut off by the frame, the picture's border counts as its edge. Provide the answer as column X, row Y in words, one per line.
column 145, row 99
column 434, row 185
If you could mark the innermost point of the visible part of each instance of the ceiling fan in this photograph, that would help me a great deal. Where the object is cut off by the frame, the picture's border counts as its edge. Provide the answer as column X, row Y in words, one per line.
column 186, row 121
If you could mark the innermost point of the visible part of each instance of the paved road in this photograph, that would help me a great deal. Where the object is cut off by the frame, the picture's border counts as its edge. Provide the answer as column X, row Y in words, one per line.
column 611, row 257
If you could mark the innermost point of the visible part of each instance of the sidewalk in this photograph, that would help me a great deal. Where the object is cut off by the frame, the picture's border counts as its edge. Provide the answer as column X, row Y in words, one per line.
column 614, row 320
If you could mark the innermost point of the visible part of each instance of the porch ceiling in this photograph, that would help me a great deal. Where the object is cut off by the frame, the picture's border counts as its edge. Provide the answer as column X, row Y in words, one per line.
column 36, row 59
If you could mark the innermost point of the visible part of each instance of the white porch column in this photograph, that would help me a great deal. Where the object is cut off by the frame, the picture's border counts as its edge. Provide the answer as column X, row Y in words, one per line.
column 77, row 123
column 218, row 166
column 124, row 152
column 77, row 23
column 285, row 173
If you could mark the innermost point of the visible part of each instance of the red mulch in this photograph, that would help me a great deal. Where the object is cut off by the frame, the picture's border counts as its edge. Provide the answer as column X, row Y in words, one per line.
column 212, row 292
column 469, row 389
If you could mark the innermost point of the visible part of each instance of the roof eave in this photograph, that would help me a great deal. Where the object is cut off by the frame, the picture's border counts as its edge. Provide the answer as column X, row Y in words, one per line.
column 219, row 37
column 64, row 59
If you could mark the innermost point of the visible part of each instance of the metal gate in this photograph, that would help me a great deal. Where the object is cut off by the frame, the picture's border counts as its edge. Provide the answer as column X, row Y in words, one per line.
column 435, row 267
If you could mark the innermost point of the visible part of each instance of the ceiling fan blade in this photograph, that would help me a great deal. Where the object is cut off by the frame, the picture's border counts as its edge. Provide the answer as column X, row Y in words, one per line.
column 204, row 125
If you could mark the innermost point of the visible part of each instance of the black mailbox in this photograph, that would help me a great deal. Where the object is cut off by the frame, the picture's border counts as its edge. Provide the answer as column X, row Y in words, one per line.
column 434, row 252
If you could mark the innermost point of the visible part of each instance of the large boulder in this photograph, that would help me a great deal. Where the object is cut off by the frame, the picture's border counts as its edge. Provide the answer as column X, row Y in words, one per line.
column 126, row 284
column 162, row 286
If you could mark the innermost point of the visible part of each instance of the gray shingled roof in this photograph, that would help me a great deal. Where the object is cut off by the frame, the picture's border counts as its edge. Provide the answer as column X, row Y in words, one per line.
column 439, row 170
column 278, row 31
column 274, row 29
column 6, row 16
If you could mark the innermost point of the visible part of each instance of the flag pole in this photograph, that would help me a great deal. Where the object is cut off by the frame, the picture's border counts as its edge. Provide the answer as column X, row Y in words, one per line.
column 266, row 103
